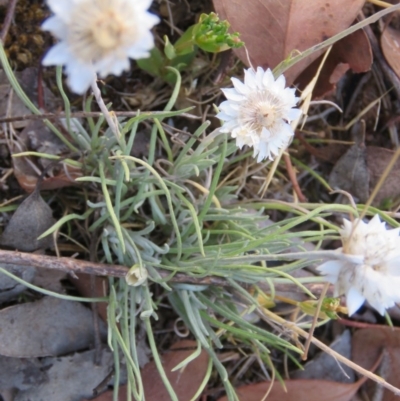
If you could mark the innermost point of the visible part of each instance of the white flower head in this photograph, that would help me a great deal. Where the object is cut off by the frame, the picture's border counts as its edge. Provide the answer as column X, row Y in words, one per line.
column 98, row 36
column 258, row 112
column 369, row 267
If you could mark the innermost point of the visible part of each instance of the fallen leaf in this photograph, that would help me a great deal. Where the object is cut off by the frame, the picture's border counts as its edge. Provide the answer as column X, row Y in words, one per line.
column 377, row 160
column 50, row 279
column 272, row 29
column 185, row 381
column 9, row 288
column 10, row 103
column 367, row 345
column 32, row 218
column 69, row 378
column 324, row 366
column 82, row 282
column 37, row 137
column 21, row 373
column 299, row 390
column 351, row 173
column 49, row 327
column 390, row 43
column 353, row 52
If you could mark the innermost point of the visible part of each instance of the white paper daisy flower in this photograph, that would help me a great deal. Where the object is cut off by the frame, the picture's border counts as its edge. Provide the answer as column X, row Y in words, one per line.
column 258, row 112
column 98, row 37
column 369, row 268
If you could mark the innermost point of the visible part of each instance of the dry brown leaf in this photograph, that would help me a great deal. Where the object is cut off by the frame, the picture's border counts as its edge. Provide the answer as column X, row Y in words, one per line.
column 185, row 382
column 367, row 345
column 12, row 106
column 299, row 390
column 351, row 174
column 37, row 137
column 353, row 52
column 32, row 218
column 49, row 327
column 9, row 288
column 83, row 285
column 272, row 29
column 359, row 170
column 377, row 160
column 390, row 43
column 325, row 367
column 69, row 378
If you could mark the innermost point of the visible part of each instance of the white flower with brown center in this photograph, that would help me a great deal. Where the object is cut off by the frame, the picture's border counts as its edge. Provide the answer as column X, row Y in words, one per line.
column 369, row 266
column 98, row 37
column 258, row 112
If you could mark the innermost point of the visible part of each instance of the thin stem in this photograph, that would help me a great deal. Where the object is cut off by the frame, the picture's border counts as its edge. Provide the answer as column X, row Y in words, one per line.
column 323, row 347
column 103, row 108
column 314, row 322
column 8, row 19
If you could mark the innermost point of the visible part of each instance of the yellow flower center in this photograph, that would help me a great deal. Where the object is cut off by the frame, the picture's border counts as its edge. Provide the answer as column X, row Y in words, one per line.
column 106, row 32
column 263, row 110
column 97, row 29
column 265, row 116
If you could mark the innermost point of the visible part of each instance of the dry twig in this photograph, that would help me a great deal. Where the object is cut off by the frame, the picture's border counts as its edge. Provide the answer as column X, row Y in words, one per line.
column 8, row 19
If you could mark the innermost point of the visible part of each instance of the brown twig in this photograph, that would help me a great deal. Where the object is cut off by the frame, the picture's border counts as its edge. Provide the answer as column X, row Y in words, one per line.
column 68, row 265
column 84, row 114
column 293, row 179
column 314, row 323
column 73, row 266
column 8, row 19
column 269, row 316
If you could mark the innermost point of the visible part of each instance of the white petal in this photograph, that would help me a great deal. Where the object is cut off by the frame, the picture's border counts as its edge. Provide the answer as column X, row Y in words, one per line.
column 332, row 267
column 240, row 86
column 144, row 4
column 141, row 48
column 80, row 77
column 293, row 114
column 285, row 131
column 265, row 135
column 250, row 78
column 347, row 225
column 280, row 82
column 57, row 55
column 375, row 221
column 229, row 108
column 232, row 94
column 150, row 19
column 262, row 151
column 229, row 126
column 354, row 300
column 268, row 78
column 239, row 142
column 60, row 7
column 56, row 26
column 224, row 116
column 108, row 66
column 259, row 77
column 379, row 306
